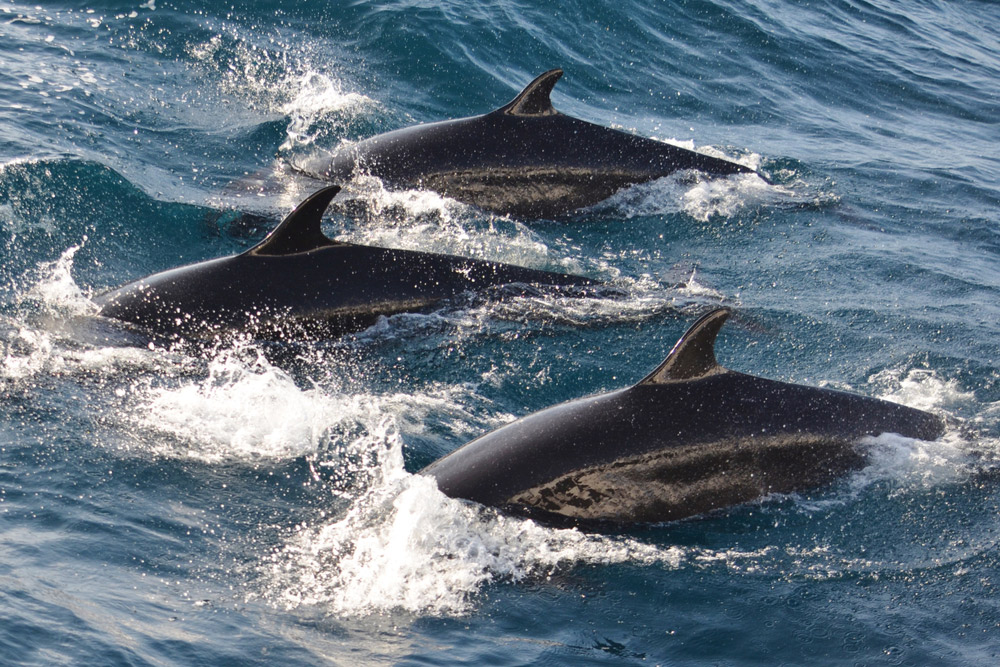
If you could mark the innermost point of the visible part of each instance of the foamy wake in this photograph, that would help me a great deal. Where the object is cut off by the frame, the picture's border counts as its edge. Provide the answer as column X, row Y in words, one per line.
column 241, row 410
column 404, row 545
column 245, row 408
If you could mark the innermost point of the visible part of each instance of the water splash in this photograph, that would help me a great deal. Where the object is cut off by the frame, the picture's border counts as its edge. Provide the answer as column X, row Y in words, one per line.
column 702, row 198
column 692, row 195
column 425, row 220
column 922, row 389
column 315, row 103
column 55, row 289
column 404, row 545
column 49, row 295
column 276, row 78
column 912, row 463
column 244, row 408
column 239, row 411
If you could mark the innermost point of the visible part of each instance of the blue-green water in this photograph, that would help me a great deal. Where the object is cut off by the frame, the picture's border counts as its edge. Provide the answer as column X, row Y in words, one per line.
column 256, row 505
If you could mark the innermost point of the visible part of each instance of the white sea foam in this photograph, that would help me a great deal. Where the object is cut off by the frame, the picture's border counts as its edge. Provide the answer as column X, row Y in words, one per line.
column 404, row 545
column 26, row 352
column 424, row 220
column 40, row 338
column 698, row 197
column 704, row 199
column 922, row 389
column 245, row 408
column 911, row 462
column 239, row 411
column 314, row 99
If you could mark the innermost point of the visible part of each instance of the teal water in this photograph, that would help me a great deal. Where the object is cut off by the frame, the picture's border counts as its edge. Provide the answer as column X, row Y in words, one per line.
column 257, row 505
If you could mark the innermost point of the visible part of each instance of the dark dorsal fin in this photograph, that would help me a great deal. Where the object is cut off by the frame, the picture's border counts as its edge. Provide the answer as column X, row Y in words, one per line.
column 694, row 354
column 300, row 230
column 534, row 99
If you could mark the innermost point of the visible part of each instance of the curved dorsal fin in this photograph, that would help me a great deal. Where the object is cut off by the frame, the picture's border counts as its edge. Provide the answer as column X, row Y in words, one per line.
column 534, row 99
column 694, row 354
column 300, row 230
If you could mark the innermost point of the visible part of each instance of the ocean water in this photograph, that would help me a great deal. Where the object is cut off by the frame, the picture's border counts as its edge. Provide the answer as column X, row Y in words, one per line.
column 254, row 504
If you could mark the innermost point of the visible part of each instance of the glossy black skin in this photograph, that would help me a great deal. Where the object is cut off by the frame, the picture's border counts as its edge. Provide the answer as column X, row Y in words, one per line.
column 334, row 290
column 313, row 286
column 660, row 451
column 524, row 159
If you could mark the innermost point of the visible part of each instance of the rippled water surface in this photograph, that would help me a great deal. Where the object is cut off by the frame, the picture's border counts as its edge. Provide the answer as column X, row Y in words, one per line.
column 255, row 503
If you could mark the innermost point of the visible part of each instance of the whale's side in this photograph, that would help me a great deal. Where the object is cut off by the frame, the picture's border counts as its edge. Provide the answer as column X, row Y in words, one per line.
column 525, row 158
column 691, row 437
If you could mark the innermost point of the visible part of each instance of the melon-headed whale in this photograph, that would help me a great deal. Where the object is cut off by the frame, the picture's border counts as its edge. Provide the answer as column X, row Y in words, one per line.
column 524, row 159
column 691, row 437
column 299, row 281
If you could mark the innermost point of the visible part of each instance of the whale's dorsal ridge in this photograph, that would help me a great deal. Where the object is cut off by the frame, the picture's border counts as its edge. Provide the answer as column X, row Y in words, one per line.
column 534, row 99
column 694, row 354
column 300, row 231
